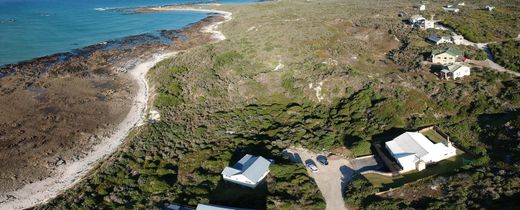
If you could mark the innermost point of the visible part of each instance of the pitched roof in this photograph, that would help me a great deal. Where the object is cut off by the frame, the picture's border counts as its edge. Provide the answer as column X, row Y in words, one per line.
column 252, row 167
column 451, row 51
column 410, row 143
column 452, row 68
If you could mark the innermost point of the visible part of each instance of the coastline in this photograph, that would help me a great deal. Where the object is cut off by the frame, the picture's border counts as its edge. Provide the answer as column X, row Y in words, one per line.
column 68, row 175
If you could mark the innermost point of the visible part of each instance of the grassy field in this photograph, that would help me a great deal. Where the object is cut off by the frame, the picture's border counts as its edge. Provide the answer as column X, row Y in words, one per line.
column 434, row 136
column 343, row 79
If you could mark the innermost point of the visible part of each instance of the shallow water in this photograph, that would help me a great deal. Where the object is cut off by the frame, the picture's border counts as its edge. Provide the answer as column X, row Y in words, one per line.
column 35, row 28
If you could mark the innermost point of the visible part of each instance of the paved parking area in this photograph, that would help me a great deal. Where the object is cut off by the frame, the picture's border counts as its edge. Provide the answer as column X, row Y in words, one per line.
column 365, row 164
column 330, row 179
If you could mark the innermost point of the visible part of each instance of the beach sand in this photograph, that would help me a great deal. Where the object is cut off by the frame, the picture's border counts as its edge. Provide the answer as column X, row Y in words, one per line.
column 69, row 174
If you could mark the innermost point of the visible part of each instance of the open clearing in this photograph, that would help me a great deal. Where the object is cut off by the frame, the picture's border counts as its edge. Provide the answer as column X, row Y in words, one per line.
column 330, row 179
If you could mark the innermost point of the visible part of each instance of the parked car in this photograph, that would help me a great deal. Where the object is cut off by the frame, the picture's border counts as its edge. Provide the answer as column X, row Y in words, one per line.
column 323, row 160
column 311, row 165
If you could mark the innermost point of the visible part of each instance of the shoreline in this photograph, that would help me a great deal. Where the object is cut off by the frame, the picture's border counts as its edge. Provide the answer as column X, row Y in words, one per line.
column 68, row 175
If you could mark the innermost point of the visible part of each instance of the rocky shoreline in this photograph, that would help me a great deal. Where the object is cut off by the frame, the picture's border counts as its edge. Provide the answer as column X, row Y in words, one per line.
column 94, row 81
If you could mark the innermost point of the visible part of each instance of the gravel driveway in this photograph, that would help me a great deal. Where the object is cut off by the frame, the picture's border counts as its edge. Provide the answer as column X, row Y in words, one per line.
column 330, row 179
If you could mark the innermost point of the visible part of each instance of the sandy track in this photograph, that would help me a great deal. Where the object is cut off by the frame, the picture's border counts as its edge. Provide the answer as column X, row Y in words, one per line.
column 330, row 179
column 68, row 175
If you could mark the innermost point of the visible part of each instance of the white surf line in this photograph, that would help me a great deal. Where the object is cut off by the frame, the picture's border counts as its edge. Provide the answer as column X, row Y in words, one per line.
column 71, row 173
column 217, row 35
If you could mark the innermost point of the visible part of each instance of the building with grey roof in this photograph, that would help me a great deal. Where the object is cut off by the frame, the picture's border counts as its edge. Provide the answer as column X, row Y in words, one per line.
column 248, row 171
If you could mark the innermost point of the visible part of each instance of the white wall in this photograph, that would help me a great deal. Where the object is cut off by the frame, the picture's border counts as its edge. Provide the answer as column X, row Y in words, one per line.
column 241, row 180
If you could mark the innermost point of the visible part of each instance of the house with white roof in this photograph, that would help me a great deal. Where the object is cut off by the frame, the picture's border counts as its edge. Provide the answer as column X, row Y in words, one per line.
column 248, row 171
column 489, row 8
column 420, row 7
column 439, row 39
column 455, row 71
column 413, row 151
column 415, row 19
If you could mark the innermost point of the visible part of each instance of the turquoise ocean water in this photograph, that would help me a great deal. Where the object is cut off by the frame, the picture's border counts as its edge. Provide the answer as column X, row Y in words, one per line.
column 35, row 28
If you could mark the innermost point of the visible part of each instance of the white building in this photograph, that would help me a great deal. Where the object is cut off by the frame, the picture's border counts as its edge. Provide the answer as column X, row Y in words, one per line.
column 457, row 39
column 450, row 8
column 248, row 171
column 455, row 71
column 426, row 24
column 421, row 7
column 413, row 151
column 415, row 19
column 489, row 8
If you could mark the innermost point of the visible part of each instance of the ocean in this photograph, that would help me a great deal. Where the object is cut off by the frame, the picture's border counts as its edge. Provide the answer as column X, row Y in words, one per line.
column 36, row 28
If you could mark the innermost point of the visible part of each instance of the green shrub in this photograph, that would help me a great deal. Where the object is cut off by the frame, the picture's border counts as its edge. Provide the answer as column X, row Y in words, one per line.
column 361, row 148
column 152, row 184
column 507, row 54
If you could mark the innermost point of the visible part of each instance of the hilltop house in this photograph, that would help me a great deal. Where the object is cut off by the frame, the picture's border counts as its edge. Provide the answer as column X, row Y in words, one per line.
column 415, row 19
column 248, row 171
column 450, row 8
column 439, row 39
column 455, row 71
column 413, row 150
column 446, row 56
column 419, row 21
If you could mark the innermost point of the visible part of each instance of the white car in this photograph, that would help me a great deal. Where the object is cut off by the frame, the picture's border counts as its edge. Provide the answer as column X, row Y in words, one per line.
column 311, row 165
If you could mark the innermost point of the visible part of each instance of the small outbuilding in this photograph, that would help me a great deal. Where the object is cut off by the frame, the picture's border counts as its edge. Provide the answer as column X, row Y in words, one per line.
column 413, row 151
column 420, row 7
column 455, row 71
column 457, row 39
column 248, row 171
column 451, row 8
column 489, row 8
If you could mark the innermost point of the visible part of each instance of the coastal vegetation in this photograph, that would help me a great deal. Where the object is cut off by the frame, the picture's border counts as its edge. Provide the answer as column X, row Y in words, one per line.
column 507, row 54
column 475, row 186
column 289, row 74
column 479, row 25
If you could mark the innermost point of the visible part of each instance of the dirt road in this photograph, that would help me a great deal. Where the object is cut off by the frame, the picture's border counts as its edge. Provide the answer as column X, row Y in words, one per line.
column 330, row 179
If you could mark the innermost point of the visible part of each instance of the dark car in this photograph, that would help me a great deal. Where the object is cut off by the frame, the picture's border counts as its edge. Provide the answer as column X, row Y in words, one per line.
column 311, row 165
column 323, row 160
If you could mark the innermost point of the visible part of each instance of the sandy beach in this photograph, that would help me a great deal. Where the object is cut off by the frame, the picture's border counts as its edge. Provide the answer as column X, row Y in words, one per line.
column 69, row 174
